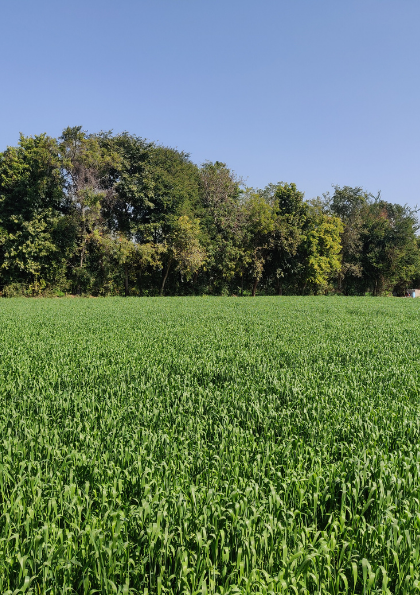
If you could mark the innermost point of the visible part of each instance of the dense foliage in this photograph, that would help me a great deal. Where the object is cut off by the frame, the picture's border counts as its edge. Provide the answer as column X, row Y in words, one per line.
column 105, row 214
column 210, row 445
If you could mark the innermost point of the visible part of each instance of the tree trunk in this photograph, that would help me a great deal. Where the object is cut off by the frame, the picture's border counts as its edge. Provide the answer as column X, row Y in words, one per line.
column 165, row 276
column 280, row 288
column 82, row 254
column 126, row 287
column 242, row 284
column 82, row 259
column 254, row 288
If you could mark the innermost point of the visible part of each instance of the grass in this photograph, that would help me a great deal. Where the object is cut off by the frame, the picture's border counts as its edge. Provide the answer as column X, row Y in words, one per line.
column 210, row 445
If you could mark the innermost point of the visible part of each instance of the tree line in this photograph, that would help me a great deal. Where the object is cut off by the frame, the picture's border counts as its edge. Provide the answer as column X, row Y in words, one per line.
column 115, row 214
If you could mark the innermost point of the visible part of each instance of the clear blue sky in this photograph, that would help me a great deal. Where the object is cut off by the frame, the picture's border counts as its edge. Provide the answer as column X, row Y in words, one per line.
column 315, row 92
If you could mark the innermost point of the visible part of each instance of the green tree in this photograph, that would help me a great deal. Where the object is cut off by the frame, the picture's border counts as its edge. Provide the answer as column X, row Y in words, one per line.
column 153, row 186
column 86, row 167
column 290, row 217
column 349, row 204
column 319, row 252
column 31, row 208
column 259, row 224
column 222, row 218
column 390, row 256
column 128, row 208
column 183, row 247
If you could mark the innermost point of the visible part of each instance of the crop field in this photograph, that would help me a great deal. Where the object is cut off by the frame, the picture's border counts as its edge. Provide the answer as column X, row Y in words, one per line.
column 210, row 445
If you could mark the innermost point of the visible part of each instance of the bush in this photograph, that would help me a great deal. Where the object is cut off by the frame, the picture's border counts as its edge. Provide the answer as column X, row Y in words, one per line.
column 15, row 290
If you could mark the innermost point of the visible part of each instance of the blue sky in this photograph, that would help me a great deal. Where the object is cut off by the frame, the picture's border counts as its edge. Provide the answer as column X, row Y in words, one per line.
column 315, row 92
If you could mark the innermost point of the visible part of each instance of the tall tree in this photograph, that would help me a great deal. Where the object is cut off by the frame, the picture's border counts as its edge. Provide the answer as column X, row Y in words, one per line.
column 184, row 248
column 390, row 256
column 319, row 252
column 291, row 213
column 223, row 221
column 85, row 167
column 151, row 184
column 153, row 187
column 259, row 224
column 349, row 204
column 31, row 205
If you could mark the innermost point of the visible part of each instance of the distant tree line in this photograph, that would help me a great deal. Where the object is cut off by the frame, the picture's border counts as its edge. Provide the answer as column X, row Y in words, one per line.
column 105, row 214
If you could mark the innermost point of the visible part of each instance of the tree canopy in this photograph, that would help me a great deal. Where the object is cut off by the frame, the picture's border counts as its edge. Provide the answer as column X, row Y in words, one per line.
column 109, row 214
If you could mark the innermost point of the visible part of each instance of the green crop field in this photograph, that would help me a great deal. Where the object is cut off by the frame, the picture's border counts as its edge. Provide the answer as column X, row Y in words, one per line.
column 210, row 445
